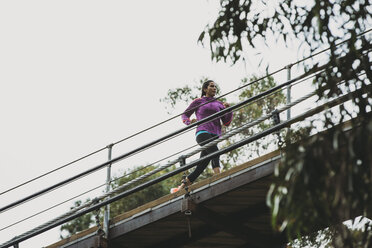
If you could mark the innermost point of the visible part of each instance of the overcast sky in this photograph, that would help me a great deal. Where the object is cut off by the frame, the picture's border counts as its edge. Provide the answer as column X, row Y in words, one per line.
column 78, row 75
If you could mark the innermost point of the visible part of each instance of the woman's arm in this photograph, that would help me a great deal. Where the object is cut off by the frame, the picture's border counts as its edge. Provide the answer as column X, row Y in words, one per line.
column 227, row 118
column 189, row 111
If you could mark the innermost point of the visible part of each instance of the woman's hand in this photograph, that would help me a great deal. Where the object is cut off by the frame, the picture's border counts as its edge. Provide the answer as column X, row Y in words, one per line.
column 226, row 104
column 193, row 121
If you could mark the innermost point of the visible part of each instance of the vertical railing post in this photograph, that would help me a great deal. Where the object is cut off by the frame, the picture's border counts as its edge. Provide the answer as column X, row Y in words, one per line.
column 288, row 67
column 106, row 217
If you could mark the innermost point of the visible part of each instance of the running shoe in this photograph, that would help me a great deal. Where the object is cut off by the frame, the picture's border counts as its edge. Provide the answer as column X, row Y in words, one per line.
column 174, row 190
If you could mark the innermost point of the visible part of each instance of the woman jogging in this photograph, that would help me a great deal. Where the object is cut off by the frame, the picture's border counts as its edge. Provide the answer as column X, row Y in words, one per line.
column 203, row 107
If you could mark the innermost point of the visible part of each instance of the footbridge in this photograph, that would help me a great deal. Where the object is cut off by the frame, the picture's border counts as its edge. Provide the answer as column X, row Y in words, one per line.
column 225, row 210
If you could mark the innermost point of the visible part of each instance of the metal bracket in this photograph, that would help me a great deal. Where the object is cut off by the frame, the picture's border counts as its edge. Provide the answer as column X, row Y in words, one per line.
column 276, row 117
column 276, row 121
column 182, row 160
column 187, row 207
column 288, row 66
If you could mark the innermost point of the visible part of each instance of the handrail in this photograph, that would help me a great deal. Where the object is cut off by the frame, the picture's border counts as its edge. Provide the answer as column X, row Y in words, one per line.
column 160, row 123
column 57, row 222
column 125, row 155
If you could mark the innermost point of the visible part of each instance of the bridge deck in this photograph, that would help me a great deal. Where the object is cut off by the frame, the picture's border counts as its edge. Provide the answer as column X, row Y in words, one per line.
column 227, row 210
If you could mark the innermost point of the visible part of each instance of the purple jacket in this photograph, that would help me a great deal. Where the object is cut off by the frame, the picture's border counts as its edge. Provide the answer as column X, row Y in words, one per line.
column 213, row 126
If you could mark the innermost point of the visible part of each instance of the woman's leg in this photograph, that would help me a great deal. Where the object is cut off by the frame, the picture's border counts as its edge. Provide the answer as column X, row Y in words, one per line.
column 203, row 139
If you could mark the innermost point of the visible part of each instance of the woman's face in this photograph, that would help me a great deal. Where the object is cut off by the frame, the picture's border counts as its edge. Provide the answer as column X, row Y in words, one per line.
column 211, row 90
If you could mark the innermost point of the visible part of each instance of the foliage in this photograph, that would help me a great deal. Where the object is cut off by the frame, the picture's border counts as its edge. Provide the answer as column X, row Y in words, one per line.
column 330, row 237
column 251, row 112
column 326, row 178
column 78, row 224
column 321, row 238
column 314, row 22
column 323, row 180
column 146, row 195
column 185, row 94
column 128, row 203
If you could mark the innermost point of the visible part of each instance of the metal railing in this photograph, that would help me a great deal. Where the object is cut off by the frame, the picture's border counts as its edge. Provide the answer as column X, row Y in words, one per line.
column 107, row 164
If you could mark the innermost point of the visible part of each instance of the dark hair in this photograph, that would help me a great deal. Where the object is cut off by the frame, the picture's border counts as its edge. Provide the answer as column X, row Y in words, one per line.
column 205, row 85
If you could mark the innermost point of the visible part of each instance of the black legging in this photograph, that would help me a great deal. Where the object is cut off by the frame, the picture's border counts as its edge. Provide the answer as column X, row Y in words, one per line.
column 202, row 139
